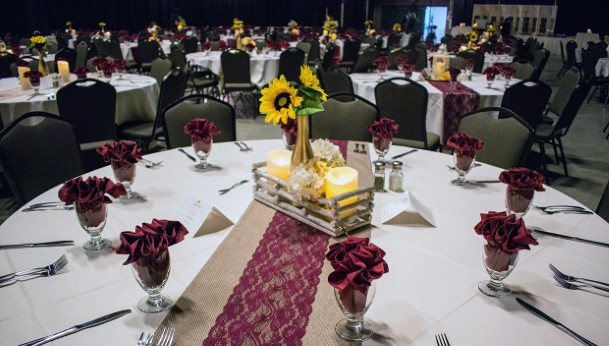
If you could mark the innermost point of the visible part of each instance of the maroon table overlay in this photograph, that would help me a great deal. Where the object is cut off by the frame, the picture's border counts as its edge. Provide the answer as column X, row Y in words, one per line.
column 457, row 103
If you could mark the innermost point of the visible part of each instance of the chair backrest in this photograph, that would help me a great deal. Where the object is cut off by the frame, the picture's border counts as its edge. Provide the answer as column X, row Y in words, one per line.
column 507, row 140
column 148, row 51
column 527, row 99
column 6, row 59
column 82, row 53
column 314, row 52
column 337, row 81
column 562, row 52
column 159, row 68
column 476, row 56
column 411, row 55
column 457, row 62
column 393, row 41
column 566, row 85
column 328, row 60
column 524, row 69
column 421, row 62
column 571, row 46
column 539, row 67
column 404, row 101
column 178, row 57
column 190, row 44
column 113, row 49
column 172, row 89
column 351, row 50
column 52, row 47
column 68, row 55
column 305, row 47
column 365, row 60
column 290, row 61
column 589, row 65
column 603, row 205
column 341, row 109
column 261, row 43
column 177, row 114
column 235, row 66
column 38, row 157
column 90, row 105
column 90, row 66
column 571, row 109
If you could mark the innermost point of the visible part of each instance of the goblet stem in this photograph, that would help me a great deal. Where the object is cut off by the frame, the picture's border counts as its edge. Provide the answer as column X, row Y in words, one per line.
column 130, row 194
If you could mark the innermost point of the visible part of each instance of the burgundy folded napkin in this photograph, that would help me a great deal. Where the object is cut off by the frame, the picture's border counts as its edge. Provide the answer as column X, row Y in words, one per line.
column 150, row 239
column 381, row 61
column 206, row 45
column 80, row 72
column 522, row 178
column 505, row 232
column 491, row 71
column 385, row 128
column 201, row 128
column 91, row 191
column 454, row 73
column 401, row 60
column 22, row 63
column 284, row 44
column 465, row 142
column 508, row 71
column 356, row 264
column 222, row 45
column 124, row 151
column 99, row 61
column 118, row 64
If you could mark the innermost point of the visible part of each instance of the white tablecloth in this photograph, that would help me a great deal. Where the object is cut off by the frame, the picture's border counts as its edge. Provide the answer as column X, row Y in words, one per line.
column 263, row 68
column 431, row 287
column 364, row 84
column 136, row 98
column 128, row 55
column 602, row 67
column 457, row 30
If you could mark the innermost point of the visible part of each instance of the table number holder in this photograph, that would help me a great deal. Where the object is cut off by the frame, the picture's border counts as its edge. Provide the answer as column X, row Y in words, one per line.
column 327, row 215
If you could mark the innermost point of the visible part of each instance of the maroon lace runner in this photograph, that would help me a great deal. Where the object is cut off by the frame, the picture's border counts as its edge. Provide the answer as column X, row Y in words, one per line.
column 457, row 103
column 273, row 300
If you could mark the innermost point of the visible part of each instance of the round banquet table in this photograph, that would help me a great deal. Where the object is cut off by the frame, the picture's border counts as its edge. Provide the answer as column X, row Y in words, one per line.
column 364, row 84
column 431, row 287
column 136, row 98
column 128, row 55
column 263, row 67
column 602, row 67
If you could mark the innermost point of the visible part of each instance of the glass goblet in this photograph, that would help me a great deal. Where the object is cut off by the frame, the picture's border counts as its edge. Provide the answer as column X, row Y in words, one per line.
column 518, row 201
column 490, row 78
column 107, row 75
column 382, row 69
column 151, row 273
column 464, row 161
column 354, row 305
column 381, row 146
column 499, row 264
column 35, row 83
column 120, row 71
column 508, row 78
column 125, row 174
column 202, row 149
column 289, row 139
column 468, row 72
column 92, row 218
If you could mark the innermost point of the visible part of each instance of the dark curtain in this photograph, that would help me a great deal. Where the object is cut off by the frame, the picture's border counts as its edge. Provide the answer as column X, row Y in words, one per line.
column 25, row 16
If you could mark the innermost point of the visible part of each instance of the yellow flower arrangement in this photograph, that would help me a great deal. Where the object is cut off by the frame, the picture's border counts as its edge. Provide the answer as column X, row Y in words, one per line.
column 69, row 24
column 397, row 27
column 38, row 42
column 102, row 24
column 237, row 24
column 280, row 101
column 330, row 25
column 181, row 24
column 368, row 23
column 473, row 37
column 445, row 76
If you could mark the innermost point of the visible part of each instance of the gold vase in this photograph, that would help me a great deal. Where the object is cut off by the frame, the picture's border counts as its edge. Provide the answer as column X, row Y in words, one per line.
column 302, row 151
column 42, row 65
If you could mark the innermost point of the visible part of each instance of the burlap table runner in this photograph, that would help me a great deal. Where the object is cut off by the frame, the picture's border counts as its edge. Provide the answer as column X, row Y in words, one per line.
column 195, row 313
column 14, row 92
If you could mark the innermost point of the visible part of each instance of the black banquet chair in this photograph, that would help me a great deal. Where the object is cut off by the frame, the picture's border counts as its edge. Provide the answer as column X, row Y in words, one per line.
column 90, row 105
column 365, row 60
column 236, row 68
column 528, row 99
column 290, row 61
column 148, row 51
column 38, row 157
column 6, row 59
column 476, row 56
column 177, row 114
column 341, row 109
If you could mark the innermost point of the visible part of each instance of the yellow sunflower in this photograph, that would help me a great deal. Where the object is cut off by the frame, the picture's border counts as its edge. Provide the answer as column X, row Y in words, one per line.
column 473, row 37
column 278, row 101
column 309, row 80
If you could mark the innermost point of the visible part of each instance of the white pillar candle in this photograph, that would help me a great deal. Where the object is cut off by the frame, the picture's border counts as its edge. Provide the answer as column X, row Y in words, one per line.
column 25, row 82
column 278, row 163
column 64, row 71
column 339, row 181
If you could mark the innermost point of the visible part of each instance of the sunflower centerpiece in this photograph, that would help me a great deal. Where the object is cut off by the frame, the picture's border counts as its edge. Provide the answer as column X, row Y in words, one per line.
column 39, row 43
column 368, row 24
column 472, row 38
column 280, row 101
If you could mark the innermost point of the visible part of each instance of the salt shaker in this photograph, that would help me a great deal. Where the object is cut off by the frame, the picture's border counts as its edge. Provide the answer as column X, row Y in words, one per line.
column 396, row 177
column 379, row 176
column 55, row 80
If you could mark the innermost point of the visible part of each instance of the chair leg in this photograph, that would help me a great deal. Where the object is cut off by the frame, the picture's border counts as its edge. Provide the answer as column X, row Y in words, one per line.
column 556, row 159
column 542, row 151
column 593, row 91
column 562, row 153
column 606, row 126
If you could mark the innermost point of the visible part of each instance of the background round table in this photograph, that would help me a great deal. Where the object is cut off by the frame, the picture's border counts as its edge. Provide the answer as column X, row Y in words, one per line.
column 602, row 67
column 431, row 287
column 263, row 67
column 136, row 98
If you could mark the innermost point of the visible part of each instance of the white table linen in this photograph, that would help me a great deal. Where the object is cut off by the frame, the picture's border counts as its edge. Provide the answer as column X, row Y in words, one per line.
column 458, row 30
column 602, row 67
column 263, row 68
column 364, row 84
column 128, row 55
column 431, row 287
column 136, row 98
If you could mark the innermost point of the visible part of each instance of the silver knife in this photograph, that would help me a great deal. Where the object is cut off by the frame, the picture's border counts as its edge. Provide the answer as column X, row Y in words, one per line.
column 554, row 322
column 77, row 328
column 404, row 154
column 568, row 237
column 49, row 243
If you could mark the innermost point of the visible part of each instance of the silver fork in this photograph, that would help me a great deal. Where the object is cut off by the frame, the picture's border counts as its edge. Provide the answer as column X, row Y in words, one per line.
column 224, row 191
column 442, row 340
column 572, row 278
column 48, row 207
column 149, row 164
column 166, row 338
column 33, row 270
column 145, row 339
column 53, row 270
column 563, row 209
column 562, row 282
column 246, row 146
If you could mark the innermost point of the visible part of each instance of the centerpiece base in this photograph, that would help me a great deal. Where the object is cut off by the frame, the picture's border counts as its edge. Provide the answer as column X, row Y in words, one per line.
column 331, row 216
